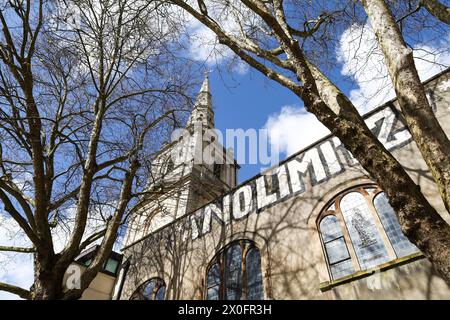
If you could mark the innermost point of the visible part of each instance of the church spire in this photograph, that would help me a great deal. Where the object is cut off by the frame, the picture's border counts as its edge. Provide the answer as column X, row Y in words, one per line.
column 203, row 110
column 205, row 84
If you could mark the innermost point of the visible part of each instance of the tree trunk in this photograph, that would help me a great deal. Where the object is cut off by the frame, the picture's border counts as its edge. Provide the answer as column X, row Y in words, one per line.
column 431, row 139
column 48, row 282
column 44, row 289
column 419, row 221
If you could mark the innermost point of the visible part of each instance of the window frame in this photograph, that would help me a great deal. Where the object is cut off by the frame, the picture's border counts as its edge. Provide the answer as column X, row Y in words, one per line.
column 374, row 196
column 336, row 211
column 86, row 258
column 324, row 243
column 219, row 259
column 139, row 292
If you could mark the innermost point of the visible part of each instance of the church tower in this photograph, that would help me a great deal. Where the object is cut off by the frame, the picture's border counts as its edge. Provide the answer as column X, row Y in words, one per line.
column 203, row 111
column 186, row 174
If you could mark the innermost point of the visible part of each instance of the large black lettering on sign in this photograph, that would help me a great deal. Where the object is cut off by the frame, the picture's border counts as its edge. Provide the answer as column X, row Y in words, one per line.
column 318, row 163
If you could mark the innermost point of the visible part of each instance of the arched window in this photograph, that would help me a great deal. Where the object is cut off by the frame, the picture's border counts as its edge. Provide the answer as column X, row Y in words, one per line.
column 235, row 273
column 153, row 289
column 402, row 246
column 361, row 220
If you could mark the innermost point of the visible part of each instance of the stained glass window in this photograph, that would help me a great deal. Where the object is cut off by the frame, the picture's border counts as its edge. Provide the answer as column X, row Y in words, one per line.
column 254, row 276
column 358, row 209
column 88, row 262
column 236, row 274
column 366, row 239
column 402, row 246
column 153, row 289
column 233, row 272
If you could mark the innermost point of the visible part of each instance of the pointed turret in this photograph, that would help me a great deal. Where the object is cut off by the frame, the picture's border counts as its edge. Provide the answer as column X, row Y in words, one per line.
column 203, row 111
column 205, row 85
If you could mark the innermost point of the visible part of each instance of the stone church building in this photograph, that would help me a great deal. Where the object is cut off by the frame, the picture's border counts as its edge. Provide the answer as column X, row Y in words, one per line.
column 316, row 226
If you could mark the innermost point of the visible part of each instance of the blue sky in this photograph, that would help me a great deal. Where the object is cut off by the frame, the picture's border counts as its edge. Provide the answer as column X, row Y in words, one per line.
column 243, row 98
column 246, row 103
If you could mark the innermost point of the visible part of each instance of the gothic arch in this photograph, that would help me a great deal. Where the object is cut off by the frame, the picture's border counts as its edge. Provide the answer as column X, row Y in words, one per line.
column 360, row 235
column 318, row 212
column 213, row 247
column 235, row 273
column 331, row 193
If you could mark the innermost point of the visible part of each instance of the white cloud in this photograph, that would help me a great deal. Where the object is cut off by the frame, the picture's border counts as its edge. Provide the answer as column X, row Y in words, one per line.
column 240, row 67
column 15, row 268
column 362, row 60
column 293, row 128
column 20, row 274
column 62, row 232
column 204, row 45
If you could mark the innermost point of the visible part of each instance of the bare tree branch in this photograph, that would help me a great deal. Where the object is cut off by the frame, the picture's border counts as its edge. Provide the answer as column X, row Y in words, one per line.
column 437, row 9
column 17, row 249
column 24, row 294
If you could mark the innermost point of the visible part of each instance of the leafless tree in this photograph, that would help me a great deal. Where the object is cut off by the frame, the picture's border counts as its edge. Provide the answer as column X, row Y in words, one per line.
column 420, row 119
column 88, row 91
column 270, row 36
